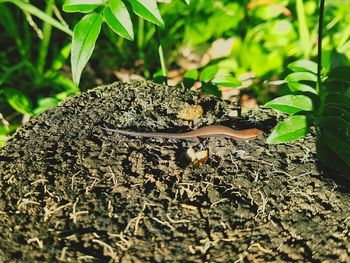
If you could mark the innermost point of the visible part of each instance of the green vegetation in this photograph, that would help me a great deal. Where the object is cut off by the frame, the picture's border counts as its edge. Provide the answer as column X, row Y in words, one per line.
column 320, row 100
column 252, row 44
column 327, row 108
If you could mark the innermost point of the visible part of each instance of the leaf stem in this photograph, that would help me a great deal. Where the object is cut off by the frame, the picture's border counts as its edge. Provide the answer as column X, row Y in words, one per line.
column 140, row 33
column 319, row 45
column 44, row 45
column 161, row 53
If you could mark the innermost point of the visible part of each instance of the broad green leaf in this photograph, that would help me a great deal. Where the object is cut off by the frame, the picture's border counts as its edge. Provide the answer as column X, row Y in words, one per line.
column 158, row 77
column 338, row 100
column 18, row 100
column 303, row 66
column 158, row 73
column 336, row 126
column 329, row 158
column 209, row 73
column 338, row 111
column 210, row 88
column 118, row 19
column 336, row 86
column 291, row 104
column 187, row 1
column 301, row 76
column 82, row 6
column 191, row 74
column 290, row 129
column 227, row 81
column 85, row 35
column 296, row 86
column 190, row 78
column 338, row 146
column 147, row 10
column 340, row 74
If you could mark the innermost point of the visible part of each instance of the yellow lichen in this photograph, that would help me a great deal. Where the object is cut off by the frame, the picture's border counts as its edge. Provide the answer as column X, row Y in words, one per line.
column 190, row 112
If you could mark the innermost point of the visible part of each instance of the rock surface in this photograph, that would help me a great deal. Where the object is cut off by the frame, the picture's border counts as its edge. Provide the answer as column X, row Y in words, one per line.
column 71, row 191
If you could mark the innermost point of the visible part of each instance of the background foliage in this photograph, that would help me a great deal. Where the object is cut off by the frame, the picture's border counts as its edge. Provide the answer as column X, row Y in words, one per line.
column 246, row 43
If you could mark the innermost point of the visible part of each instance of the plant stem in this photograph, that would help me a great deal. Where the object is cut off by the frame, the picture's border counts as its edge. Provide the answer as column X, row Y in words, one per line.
column 141, row 46
column 44, row 45
column 303, row 29
column 161, row 53
column 319, row 45
column 140, row 33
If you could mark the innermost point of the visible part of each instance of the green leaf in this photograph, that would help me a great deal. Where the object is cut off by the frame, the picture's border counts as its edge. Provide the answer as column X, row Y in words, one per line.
column 45, row 103
column 303, row 66
column 65, row 83
column 85, row 35
column 336, row 86
column 291, row 104
column 329, row 158
column 60, row 60
column 7, row 129
column 340, row 148
column 336, row 126
column 9, row 24
column 301, row 76
column 3, row 140
column 4, row 130
column 118, row 19
column 18, row 100
column 290, row 129
column 147, row 10
column 82, row 6
column 158, row 77
column 268, row 12
column 190, row 78
column 40, row 14
column 338, row 100
column 340, row 74
column 209, row 73
column 333, row 110
column 187, row 1
column 296, row 86
column 227, row 81
column 210, row 88
column 192, row 74
column 48, row 102
column 62, row 95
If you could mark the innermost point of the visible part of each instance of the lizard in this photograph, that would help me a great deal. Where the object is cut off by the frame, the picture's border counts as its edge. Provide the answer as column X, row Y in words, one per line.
column 203, row 132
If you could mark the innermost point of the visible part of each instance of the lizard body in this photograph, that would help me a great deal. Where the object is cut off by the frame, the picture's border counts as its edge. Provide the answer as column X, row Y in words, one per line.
column 204, row 132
